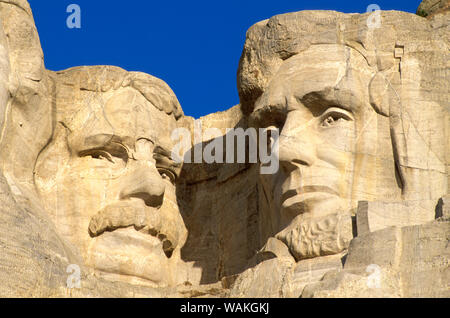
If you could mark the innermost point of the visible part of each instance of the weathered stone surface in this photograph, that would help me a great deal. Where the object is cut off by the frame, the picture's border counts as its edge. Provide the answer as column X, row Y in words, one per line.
column 443, row 208
column 257, row 283
column 359, row 206
column 33, row 257
column 276, row 274
column 429, row 8
column 373, row 216
column 411, row 261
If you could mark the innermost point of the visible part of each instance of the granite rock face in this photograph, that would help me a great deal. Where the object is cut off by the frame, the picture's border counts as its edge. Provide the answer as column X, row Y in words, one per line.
column 93, row 202
column 429, row 8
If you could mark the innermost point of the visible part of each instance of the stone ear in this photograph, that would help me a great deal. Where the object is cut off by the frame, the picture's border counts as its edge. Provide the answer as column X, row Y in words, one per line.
column 53, row 156
column 379, row 94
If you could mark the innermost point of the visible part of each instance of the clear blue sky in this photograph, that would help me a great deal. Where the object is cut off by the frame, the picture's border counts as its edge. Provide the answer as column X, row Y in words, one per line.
column 194, row 46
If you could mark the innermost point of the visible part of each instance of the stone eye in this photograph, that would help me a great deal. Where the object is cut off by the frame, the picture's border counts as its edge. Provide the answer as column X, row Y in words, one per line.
column 97, row 154
column 167, row 175
column 332, row 118
column 113, row 153
column 328, row 121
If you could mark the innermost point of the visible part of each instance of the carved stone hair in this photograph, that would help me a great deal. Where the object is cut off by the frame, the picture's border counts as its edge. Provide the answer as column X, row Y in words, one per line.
column 106, row 78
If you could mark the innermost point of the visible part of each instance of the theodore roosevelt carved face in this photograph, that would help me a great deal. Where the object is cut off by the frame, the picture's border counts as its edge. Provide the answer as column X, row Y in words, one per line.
column 108, row 181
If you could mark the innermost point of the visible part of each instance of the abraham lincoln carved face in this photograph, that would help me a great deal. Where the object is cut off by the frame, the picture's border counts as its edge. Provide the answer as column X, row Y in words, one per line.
column 108, row 181
column 321, row 106
column 356, row 122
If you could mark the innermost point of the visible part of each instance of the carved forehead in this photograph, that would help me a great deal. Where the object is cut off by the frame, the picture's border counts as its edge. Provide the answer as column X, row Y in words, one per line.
column 323, row 56
column 334, row 73
column 271, row 42
column 72, row 83
column 107, row 100
column 128, row 112
column 319, row 65
column 125, row 114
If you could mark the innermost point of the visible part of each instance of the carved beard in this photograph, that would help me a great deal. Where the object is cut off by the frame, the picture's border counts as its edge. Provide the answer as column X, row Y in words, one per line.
column 313, row 237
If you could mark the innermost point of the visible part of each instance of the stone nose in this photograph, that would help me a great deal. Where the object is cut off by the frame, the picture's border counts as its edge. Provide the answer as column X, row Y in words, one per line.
column 296, row 151
column 143, row 181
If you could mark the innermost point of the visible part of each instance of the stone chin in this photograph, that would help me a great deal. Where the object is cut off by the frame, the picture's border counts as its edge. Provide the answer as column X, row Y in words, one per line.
column 314, row 222
column 308, row 237
column 131, row 243
column 134, row 213
column 130, row 256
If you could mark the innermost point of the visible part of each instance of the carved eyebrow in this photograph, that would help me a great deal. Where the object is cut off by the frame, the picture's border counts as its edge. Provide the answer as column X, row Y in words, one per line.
column 319, row 101
column 338, row 109
column 164, row 160
column 268, row 116
column 161, row 152
column 146, row 138
column 101, row 141
column 98, row 140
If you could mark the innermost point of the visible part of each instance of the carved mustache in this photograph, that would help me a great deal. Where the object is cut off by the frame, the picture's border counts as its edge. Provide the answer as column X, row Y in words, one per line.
column 132, row 213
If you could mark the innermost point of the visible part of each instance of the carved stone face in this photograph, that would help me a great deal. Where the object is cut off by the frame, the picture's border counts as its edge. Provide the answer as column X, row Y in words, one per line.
column 324, row 94
column 109, row 184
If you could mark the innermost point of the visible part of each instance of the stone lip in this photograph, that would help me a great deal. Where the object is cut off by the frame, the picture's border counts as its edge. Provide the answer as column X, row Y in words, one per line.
column 127, row 255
